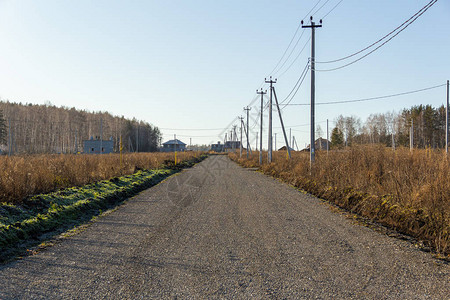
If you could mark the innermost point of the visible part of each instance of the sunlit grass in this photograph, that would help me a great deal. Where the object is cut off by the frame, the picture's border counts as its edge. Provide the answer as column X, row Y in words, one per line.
column 409, row 192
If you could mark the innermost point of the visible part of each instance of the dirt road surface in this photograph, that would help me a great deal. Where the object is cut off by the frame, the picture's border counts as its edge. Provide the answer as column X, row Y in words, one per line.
column 219, row 231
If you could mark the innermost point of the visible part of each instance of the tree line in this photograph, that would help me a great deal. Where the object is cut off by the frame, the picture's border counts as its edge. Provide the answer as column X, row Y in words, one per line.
column 393, row 129
column 34, row 128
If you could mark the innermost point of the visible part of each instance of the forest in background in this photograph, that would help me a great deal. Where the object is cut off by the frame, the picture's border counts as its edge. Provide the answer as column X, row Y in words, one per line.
column 37, row 128
column 393, row 128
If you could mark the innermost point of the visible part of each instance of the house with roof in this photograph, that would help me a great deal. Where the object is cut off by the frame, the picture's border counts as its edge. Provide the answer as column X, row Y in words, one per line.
column 320, row 144
column 173, row 145
column 284, row 149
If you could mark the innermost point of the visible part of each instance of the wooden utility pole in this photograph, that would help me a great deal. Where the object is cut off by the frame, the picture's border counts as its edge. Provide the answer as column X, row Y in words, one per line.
column 446, row 121
column 269, row 157
column 247, row 109
column 328, row 146
column 290, row 137
column 9, row 138
column 240, row 152
column 101, row 136
column 235, row 138
column 261, row 125
column 313, row 26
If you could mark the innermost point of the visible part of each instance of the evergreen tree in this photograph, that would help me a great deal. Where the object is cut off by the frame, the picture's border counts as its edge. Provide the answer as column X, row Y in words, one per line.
column 337, row 138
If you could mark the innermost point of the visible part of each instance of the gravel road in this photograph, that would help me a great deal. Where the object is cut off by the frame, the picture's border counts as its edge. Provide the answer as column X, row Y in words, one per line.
column 220, row 231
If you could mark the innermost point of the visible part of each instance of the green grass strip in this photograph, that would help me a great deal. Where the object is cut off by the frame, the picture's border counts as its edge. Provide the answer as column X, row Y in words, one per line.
column 25, row 225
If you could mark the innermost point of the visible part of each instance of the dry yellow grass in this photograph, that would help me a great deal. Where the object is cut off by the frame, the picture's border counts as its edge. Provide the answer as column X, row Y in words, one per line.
column 22, row 176
column 409, row 192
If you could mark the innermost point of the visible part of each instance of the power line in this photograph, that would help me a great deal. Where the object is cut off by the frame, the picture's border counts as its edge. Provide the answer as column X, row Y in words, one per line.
column 408, row 22
column 299, row 79
column 298, row 55
column 285, row 51
column 301, row 125
column 290, row 43
column 332, row 9
column 292, row 51
column 300, row 82
column 372, row 98
column 192, row 129
column 312, row 9
column 321, row 7
column 198, row 136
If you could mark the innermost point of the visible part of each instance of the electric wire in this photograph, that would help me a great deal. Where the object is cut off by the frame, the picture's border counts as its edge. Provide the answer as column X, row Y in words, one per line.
column 321, row 7
column 290, row 54
column 306, row 73
column 285, row 51
column 332, row 9
column 191, row 129
column 404, row 25
column 297, row 84
column 312, row 9
column 290, row 43
column 298, row 55
column 367, row 54
column 372, row 98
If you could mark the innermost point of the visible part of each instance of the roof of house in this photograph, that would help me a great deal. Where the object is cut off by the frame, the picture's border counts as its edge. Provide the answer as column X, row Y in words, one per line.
column 284, row 148
column 174, row 142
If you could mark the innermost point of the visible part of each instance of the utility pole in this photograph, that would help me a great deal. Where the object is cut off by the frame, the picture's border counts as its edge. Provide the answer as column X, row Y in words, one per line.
column 411, row 136
column 261, row 124
column 296, row 145
column 240, row 153
column 270, row 118
column 76, row 142
column 101, row 136
column 248, row 132
column 290, row 137
column 256, row 144
column 234, row 138
column 328, row 146
column 282, row 126
column 393, row 141
column 137, row 139
column 9, row 138
column 446, row 121
column 313, row 26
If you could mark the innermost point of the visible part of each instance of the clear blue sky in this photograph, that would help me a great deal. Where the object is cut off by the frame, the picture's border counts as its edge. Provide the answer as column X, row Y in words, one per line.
column 196, row 64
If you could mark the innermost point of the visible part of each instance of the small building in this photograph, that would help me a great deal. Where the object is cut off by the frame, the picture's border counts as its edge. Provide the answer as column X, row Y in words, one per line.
column 217, row 147
column 231, row 145
column 98, row 146
column 173, row 145
column 284, row 149
column 320, row 144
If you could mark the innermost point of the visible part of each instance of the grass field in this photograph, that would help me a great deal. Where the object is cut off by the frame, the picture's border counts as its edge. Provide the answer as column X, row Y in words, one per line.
column 23, row 176
column 30, row 218
column 409, row 192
